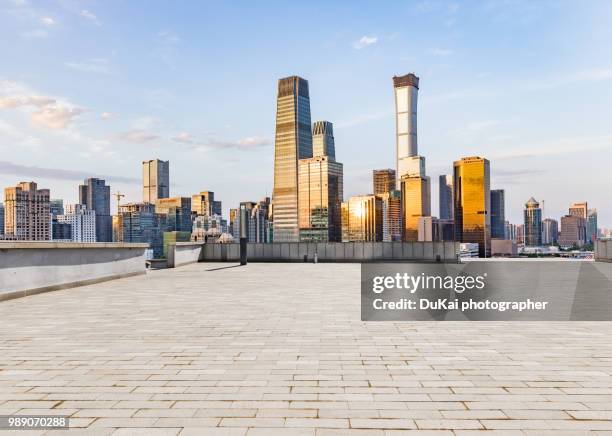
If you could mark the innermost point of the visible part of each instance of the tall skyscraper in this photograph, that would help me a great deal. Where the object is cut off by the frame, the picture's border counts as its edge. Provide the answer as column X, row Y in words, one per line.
column 573, row 231
column 364, row 219
column 293, row 142
column 95, row 194
column 155, row 180
column 204, row 203
column 472, row 200
column 550, row 231
column 383, row 181
column 416, row 203
column 592, row 232
column 533, row 223
column 1, row 219
column 579, row 209
column 392, row 215
column 498, row 214
column 446, row 196
column 82, row 222
column 27, row 212
column 140, row 223
column 323, row 139
column 406, row 89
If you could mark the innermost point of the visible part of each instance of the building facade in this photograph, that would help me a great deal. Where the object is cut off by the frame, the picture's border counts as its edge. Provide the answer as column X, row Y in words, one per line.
column 82, row 222
column 175, row 213
column 533, row 223
column 472, row 197
column 435, row 229
column 446, row 196
column 1, row 219
column 323, row 143
column 56, row 207
column 592, row 232
column 416, row 203
column 208, row 227
column 573, row 231
column 204, row 203
column 363, row 215
column 392, row 215
column 140, row 223
column 498, row 214
column 550, row 231
column 155, row 180
column 95, row 194
column 383, row 181
column 27, row 213
column 293, row 141
column 406, row 89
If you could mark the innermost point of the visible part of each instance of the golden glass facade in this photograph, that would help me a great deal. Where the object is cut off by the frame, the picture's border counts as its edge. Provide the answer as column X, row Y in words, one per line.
column 472, row 202
column 416, row 203
column 293, row 141
column 392, row 215
column 365, row 219
column 383, row 181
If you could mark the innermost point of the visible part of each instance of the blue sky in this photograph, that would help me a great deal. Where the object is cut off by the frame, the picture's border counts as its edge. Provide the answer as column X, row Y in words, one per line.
column 95, row 87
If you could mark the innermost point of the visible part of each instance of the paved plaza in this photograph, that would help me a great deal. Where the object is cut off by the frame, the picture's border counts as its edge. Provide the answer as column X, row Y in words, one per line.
column 279, row 349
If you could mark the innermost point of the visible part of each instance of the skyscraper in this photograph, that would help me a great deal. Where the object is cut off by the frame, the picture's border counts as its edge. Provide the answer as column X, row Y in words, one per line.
column 580, row 210
column 472, row 200
column 1, row 219
column 95, row 194
column 27, row 213
column 383, row 181
column 56, row 207
column 204, row 203
column 573, row 231
column 392, row 215
column 406, row 89
column 592, row 225
column 82, row 222
column 533, row 223
column 498, row 214
column 364, row 219
column 155, row 180
column 416, row 203
column 550, row 231
column 176, row 213
column 446, row 196
column 323, row 139
column 140, row 223
column 293, row 142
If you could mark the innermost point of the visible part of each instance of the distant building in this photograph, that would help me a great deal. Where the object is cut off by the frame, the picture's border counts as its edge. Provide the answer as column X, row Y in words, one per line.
column 472, row 197
column 416, row 203
column 432, row 229
column 257, row 225
column 56, row 207
column 117, row 228
column 176, row 213
column 533, row 223
column 1, row 219
column 406, row 90
column 363, row 215
column 498, row 214
column 520, row 234
column 323, row 143
column 579, row 209
column 204, row 203
column 27, row 213
column 550, row 231
column 446, row 196
column 207, row 227
column 510, row 231
column 82, row 222
column 155, row 180
column 592, row 231
column 392, row 215
column 573, row 231
column 95, row 194
column 141, row 224
column 234, row 227
column 61, row 231
column 503, row 248
column 383, row 181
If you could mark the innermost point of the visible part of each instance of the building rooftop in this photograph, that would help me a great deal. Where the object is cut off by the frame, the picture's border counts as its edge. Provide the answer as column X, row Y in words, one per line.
column 279, row 349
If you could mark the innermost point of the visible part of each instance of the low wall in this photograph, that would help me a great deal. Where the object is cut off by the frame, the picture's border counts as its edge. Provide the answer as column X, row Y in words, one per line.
column 603, row 251
column 183, row 253
column 334, row 252
column 28, row 268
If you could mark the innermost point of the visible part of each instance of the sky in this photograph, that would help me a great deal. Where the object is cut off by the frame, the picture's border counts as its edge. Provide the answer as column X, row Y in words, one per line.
column 93, row 88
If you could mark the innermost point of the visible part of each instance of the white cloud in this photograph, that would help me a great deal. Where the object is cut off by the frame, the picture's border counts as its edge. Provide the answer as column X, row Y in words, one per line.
column 247, row 143
column 440, row 51
column 53, row 117
column 97, row 65
column 138, row 136
column 184, row 138
column 364, row 41
column 90, row 16
column 106, row 115
column 47, row 21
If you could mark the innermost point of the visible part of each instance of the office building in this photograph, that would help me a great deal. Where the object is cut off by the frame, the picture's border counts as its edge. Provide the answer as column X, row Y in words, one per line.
column 498, row 214
column 60, row 231
column 573, row 231
column 520, row 234
column 56, row 207
column 392, row 214
column 176, row 213
column 592, row 232
column 406, row 90
column 1, row 219
column 416, row 203
column 533, row 223
column 208, row 227
column 234, row 226
column 510, row 231
column 140, row 223
column 383, row 181
column 27, row 213
column 82, row 222
column 434, row 229
column 550, row 231
column 472, row 197
column 323, row 139
column 257, row 225
column 579, row 209
column 293, row 141
column 95, row 194
column 446, row 196
column 364, row 219
column 204, row 203
column 155, row 180
column 117, row 228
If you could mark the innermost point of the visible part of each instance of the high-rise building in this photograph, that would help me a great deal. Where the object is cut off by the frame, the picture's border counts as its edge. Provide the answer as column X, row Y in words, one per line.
column 550, row 231
column 56, row 207
column 204, row 203
column 520, row 234
column 141, row 224
column 510, row 231
column 573, row 231
column 383, row 181
column 95, row 194
column 207, row 227
column 118, row 228
column 364, row 216
column 82, row 222
column 579, row 209
column 446, row 196
column 256, row 215
column 498, row 214
column 1, row 219
column 320, row 187
column 406, row 89
column 61, row 231
column 416, row 203
column 592, row 232
column 27, row 213
column 392, row 215
column 234, row 224
column 472, row 202
column 431, row 228
column 533, row 223
column 176, row 213
column 155, row 180
column 293, row 142
column 323, row 139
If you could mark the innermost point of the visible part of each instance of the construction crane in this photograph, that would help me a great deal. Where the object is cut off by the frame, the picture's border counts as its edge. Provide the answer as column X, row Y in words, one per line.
column 118, row 195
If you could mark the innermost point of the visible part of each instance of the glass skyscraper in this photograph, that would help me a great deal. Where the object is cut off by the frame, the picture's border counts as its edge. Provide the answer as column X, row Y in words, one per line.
column 446, row 196
column 472, row 201
column 293, row 141
column 416, row 203
column 498, row 214
column 95, row 194
column 383, row 181
column 406, row 90
column 155, row 180
column 362, row 219
column 533, row 223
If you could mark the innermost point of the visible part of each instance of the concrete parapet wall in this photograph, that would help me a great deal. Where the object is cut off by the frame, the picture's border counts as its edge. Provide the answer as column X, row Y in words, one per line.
column 335, row 252
column 603, row 251
column 28, row 268
column 183, row 253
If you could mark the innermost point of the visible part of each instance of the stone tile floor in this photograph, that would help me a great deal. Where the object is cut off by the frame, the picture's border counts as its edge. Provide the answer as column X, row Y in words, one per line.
column 279, row 349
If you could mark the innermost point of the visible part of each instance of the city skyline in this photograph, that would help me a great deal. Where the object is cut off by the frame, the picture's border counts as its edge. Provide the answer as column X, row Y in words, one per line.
column 86, row 134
